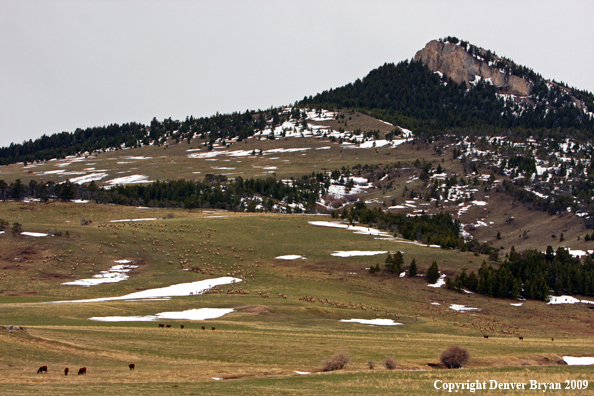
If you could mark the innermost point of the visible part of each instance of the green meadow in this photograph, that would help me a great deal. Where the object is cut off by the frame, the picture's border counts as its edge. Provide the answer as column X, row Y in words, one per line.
column 287, row 313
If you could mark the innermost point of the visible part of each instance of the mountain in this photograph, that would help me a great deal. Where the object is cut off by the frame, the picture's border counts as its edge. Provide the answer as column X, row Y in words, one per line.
column 457, row 148
column 451, row 85
column 463, row 62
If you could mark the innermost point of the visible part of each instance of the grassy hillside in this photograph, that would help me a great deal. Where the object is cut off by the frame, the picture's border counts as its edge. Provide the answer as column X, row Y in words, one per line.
column 257, row 348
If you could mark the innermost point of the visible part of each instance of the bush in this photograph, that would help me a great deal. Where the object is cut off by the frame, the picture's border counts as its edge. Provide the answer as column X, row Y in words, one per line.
column 16, row 230
column 454, row 357
column 390, row 363
column 336, row 362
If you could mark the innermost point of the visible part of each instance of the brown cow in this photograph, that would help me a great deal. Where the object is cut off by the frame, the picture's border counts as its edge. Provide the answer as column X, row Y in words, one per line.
column 42, row 369
column 203, row 328
column 161, row 325
column 214, row 328
column 168, row 326
column 82, row 371
column 182, row 326
column 521, row 338
column 486, row 336
column 132, row 366
column 66, row 371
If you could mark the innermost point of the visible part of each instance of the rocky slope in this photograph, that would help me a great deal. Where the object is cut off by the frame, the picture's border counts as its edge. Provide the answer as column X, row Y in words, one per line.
column 463, row 62
column 454, row 61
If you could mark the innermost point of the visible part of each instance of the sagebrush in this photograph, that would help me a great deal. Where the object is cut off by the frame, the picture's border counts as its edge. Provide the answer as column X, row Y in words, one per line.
column 336, row 362
column 454, row 357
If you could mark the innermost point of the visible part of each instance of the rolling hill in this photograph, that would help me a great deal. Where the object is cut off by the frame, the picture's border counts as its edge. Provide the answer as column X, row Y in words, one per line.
column 306, row 220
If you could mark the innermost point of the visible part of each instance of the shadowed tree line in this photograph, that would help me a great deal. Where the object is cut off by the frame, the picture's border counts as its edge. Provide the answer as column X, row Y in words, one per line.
column 531, row 275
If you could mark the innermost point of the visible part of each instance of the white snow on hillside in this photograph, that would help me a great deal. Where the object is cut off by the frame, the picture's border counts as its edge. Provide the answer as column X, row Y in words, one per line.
column 356, row 253
column 88, row 178
column 189, row 314
column 291, row 257
column 462, row 308
column 181, row 289
column 373, row 322
column 567, row 300
column 132, row 179
column 127, row 220
column 440, row 282
column 117, row 273
column 34, row 234
column 578, row 361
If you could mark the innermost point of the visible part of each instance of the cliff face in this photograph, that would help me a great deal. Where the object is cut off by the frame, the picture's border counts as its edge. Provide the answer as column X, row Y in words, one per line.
column 456, row 63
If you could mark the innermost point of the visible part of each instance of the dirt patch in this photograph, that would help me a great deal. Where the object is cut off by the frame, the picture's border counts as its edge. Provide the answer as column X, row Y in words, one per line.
column 28, row 250
column 253, row 309
column 24, row 293
column 331, row 267
column 53, row 275
column 13, row 266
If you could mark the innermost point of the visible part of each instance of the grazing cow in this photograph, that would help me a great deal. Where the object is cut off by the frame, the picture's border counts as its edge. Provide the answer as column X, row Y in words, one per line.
column 521, row 338
column 168, row 326
column 82, row 371
column 66, row 371
column 182, row 326
column 42, row 369
column 203, row 328
column 486, row 336
column 161, row 325
column 214, row 328
column 552, row 339
column 132, row 366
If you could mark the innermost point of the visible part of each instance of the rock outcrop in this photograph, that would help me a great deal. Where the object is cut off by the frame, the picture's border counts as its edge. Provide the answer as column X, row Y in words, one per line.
column 455, row 62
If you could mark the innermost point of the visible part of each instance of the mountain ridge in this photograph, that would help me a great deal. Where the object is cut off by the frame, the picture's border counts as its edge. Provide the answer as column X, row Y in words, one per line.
column 415, row 95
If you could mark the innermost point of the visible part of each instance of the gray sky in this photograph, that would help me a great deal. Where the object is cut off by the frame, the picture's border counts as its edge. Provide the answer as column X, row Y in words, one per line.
column 69, row 64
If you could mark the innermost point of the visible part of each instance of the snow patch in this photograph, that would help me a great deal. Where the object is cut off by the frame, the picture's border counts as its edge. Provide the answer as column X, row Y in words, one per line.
column 190, row 314
column 567, row 300
column 578, row 361
column 34, row 234
column 353, row 253
column 462, row 308
column 125, row 220
column 117, row 273
column 440, row 282
column 290, row 257
column 181, row 289
column 373, row 322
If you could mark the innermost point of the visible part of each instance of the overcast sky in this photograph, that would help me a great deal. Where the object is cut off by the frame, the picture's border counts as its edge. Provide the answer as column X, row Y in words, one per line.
column 70, row 64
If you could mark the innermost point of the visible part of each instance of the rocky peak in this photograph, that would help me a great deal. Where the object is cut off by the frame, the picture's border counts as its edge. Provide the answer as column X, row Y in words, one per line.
column 454, row 61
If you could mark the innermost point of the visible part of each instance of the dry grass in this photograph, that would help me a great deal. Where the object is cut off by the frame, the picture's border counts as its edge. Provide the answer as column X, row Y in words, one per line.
column 271, row 337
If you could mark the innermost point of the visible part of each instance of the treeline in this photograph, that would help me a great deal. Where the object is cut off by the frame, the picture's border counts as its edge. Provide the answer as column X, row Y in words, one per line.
column 409, row 94
column 440, row 229
column 295, row 195
column 115, row 136
column 531, row 275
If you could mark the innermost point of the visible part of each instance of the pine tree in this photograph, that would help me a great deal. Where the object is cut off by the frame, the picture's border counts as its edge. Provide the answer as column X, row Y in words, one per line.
column 433, row 273
column 394, row 263
column 413, row 268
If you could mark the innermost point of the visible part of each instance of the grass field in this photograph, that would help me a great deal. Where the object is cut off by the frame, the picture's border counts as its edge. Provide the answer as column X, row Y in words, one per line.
column 258, row 348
